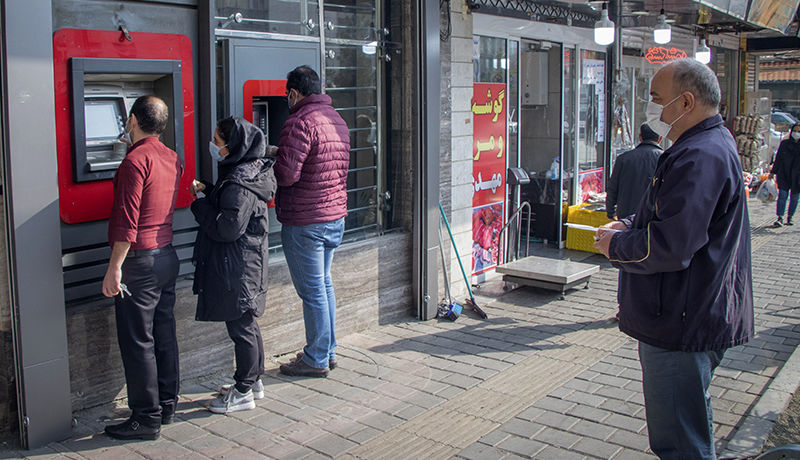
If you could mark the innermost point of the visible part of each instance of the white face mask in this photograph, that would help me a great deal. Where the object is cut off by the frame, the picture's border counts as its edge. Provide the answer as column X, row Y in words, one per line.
column 796, row 135
column 213, row 150
column 653, row 114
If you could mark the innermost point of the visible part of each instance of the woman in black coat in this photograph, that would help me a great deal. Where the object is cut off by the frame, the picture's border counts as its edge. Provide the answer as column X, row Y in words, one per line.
column 231, row 253
column 787, row 167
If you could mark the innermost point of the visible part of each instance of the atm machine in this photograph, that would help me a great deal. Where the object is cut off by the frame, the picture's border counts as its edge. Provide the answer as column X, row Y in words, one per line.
column 98, row 75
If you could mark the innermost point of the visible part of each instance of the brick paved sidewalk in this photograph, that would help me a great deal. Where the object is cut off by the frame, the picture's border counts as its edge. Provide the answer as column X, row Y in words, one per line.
column 542, row 378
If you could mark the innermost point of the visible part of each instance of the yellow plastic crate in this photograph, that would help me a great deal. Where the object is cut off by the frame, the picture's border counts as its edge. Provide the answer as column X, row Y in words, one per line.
column 583, row 240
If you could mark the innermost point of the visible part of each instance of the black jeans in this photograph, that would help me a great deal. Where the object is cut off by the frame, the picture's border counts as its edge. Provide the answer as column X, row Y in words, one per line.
column 146, row 334
column 249, row 350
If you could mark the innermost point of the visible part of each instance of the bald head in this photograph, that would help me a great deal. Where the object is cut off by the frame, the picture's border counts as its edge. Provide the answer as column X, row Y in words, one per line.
column 690, row 75
column 151, row 114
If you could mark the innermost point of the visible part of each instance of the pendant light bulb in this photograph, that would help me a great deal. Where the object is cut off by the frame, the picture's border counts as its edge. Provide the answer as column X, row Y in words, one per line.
column 703, row 53
column 662, row 32
column 604, row 29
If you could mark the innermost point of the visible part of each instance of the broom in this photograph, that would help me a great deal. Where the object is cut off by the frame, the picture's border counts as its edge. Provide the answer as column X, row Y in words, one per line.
column 471, row 299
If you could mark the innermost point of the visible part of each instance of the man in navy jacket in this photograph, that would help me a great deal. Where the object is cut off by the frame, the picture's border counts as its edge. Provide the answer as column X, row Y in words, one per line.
column 685, row 287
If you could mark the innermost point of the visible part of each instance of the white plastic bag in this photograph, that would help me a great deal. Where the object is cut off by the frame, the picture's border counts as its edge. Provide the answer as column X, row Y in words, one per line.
column 767, row 191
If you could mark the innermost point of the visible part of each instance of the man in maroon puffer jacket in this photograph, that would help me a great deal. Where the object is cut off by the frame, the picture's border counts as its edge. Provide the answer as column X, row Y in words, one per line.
column 311, row 167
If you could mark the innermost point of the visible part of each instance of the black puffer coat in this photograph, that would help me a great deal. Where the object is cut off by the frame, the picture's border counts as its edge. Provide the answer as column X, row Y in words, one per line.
column 231, row 251
column 787, row 164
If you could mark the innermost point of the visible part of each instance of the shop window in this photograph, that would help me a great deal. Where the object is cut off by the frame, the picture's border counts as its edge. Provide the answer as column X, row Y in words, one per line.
column 489, row 60
column 291, row 17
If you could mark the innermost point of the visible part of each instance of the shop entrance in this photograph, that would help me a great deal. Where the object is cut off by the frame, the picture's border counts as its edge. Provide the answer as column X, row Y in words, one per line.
column 541, row 134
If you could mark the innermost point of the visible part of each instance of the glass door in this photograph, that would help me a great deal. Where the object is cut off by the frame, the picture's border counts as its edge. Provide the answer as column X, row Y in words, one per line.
column 591, row 124
column 569, row 131
column 353, row 67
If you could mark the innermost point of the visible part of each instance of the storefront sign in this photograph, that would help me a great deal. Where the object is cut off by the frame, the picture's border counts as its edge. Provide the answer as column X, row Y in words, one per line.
column 488, row 173
column 662, row 55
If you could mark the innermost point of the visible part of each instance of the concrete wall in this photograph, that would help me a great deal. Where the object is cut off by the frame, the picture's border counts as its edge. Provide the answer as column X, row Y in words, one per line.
column 460, row 188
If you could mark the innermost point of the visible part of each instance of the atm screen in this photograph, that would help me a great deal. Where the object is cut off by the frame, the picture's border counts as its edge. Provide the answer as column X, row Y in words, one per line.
column 103, row 119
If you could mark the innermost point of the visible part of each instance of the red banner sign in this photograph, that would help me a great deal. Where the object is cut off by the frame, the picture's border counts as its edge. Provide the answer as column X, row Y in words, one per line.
column 662, row 55
column 489, row 102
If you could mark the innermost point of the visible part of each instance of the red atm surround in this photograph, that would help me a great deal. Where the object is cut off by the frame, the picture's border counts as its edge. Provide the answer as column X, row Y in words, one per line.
column 258, row 88
column 89, row 201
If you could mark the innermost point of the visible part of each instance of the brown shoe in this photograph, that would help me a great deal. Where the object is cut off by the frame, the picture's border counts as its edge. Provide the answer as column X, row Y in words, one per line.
column 299, row 368
column 331, row 362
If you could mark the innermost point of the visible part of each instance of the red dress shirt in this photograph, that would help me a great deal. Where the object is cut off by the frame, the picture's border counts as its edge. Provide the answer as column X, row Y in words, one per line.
column 145, row 189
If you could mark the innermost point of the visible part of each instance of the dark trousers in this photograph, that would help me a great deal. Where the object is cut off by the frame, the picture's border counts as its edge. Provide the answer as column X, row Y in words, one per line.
column 146, row 334
column 249, row 350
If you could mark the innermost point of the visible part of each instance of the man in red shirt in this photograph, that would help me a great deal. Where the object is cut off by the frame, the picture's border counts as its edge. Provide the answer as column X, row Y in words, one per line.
column 142, row 272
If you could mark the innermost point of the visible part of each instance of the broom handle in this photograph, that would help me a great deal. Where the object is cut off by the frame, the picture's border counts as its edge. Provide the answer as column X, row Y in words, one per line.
column 453, row 240
column 444, row 266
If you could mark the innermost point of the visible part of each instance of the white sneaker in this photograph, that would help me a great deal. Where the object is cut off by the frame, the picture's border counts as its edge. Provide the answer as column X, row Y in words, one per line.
column 257, row 389
column 233, row 401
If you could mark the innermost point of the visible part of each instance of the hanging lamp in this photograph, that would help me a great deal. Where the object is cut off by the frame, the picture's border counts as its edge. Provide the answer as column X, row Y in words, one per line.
column 604, row 28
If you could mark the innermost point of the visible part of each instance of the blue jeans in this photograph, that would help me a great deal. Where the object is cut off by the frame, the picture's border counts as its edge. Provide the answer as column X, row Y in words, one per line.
column 309, row 253
column 782, row 194
column 677, row 403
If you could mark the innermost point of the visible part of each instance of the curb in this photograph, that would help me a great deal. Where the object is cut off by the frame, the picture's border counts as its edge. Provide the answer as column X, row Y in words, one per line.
column 749, row 438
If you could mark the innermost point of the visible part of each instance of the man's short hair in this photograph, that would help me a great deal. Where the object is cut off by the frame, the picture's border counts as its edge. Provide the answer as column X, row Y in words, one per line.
column 305, row 80
column 151, row 113
column 647, row 133
column 698, row 79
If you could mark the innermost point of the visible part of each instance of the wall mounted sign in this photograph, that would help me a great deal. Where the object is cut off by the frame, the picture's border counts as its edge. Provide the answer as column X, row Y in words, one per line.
column 662, row 55
column 488, row 174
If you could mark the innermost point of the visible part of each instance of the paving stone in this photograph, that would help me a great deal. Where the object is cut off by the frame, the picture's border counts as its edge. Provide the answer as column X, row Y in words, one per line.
column 530, row 413
column 588, row 413
column 211, row 445
column 595, row 448
column 593, row 430
column 494, row 437
column 616, row 393
column 410, row 412
column 367, row 434
column 556, row 420
column 585, row 398
column 227, row 427
column 555, row 453
column 331, row 445
column 554, row 404
column 556, row 437
column 629, row 454
column 480, row 451
column 628, row 439
column 626, row 423
column 521, row 428
column 269, row 421
column 300, row 433
column 522, row 446
column 381, row 421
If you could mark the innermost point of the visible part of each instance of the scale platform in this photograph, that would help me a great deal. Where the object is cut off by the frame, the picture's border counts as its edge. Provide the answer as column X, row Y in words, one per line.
column 553, row 274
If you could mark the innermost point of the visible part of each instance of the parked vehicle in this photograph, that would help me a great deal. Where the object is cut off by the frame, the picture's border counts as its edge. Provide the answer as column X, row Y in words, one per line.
column 783, row 121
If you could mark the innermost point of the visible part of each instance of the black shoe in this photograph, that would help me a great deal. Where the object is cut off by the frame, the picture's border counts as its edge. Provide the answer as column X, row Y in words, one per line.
column 167, row 414
column 131, row 429
column 778, row 223
column 300, row 369
column 331, row 362
column 789, row 222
